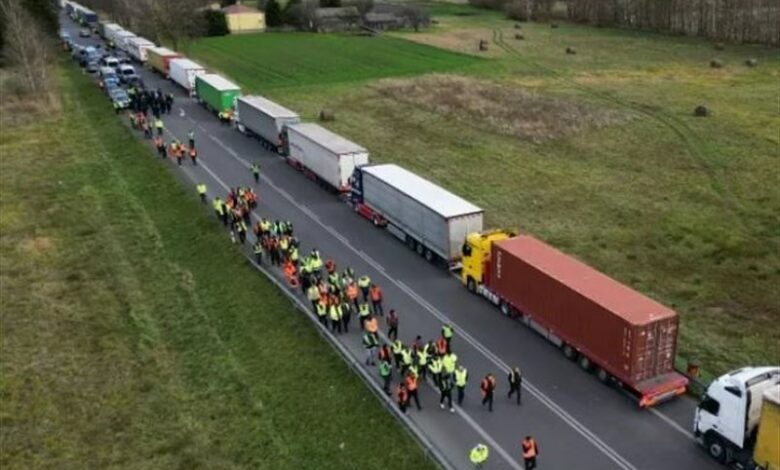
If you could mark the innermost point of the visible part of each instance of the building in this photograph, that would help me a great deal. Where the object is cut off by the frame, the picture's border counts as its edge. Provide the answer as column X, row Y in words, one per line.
column 243, row 19
column 328, row 20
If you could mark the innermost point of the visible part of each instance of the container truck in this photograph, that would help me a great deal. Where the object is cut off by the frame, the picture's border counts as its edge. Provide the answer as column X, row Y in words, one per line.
column 121, row 39
column 216, row 92
column 102, row 25
column 738, row 418
column 87, row 16
column 110, row 31
column 629, row 339
column 183, row 72
column 429, row 219
column 266, row 120
column 159, row 59
column 137, row 48
column 324, row 156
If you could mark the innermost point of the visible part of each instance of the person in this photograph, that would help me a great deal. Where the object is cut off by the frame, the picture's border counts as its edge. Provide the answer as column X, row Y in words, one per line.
column 371, row 325
column 313, row 294
column 447, row 331
column 479, row 455
column 194, row 155
column 530, row 452
column 449, row 361
column 461, row 378
column 411, row 387
column 219, row 209
column 191, row 137
column 158, row 124
column 363, row 313
column 334, row 311
column 406, row 360
column 403, row 397
column 435, row 367
column 256, row 172
column 160, row 144
column 515, row 384
column 202, row 192
column 370, row 343
column 364, row 283
column 445, row 389
column 385, row 373
column 179, row 154
column 422, row 361
column 352, row 293
column 257, row 248
column 488, row 386
column 397, row 348
column 346, row 315
column 322, row 312
column 392, row 324
column 376, row 299
column 241, row 230
column 384, row 353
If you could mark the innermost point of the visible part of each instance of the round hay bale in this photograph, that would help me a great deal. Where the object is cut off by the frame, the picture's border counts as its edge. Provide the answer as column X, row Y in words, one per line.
column 519, row 37
column 752, row 62
column 719, row 46
column 571, row 50
column 701, row 111
column 483, row 45
column 518, row 26
column 554, row 25
column 716, row 63
column 327, row 115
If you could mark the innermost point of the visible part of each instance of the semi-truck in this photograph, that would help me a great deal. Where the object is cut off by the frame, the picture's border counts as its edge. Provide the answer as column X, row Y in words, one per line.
column 266, row 120
column 426, row 217
column 627, row 338
column 159, row 59
column 216, row 92
column 327, row 158
column 138, row 48
column 122, row 38
column 738, row 419
column 183, row 72
column 102, row 25
column 110, row 31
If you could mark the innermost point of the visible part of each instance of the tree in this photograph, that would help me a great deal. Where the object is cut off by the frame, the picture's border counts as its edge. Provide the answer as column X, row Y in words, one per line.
column 27, row 45
column 416, row 16
column 216, row 23
column 330, row 3
column 273, row 13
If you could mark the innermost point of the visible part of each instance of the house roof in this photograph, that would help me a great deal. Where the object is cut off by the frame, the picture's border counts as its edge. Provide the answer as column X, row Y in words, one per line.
column 238, row 8
column 338, row 12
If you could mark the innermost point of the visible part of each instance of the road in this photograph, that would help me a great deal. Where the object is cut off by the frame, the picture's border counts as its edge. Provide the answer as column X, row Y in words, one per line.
column 578, row 422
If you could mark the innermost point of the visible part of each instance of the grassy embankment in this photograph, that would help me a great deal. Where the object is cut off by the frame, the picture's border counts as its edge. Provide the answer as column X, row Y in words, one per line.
column 684, row 209
column 133, row 335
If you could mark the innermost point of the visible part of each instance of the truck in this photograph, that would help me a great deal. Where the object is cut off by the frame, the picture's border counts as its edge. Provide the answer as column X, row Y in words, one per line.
column 323, row 156
column 738, row 419
column 102, row 25
column 183, row 72
column 122, row 38
column 628, row 339
column 427, row 218
column 137, row 48
column 110, row 31
column 216, row 92
column 260, row 117
column 159, row 59
column 87, row 16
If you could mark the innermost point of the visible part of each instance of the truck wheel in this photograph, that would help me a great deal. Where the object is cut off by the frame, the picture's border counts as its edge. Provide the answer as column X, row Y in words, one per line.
column 603, row 375
column 420, row 249
column 410, row 243
column 505, row 309
column 471, row 285
column 716, row 448
column 429, row 256
column 585, row 363
column 375, row 221
column 569, row 352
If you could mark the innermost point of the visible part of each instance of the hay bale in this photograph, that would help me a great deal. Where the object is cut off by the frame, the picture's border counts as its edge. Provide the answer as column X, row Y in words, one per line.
column 752, row 62
column 483, row 45
column 518, row 26
column 719, row 46
column 327, row 115
column 554, row 25
column 519, row 37
column 716, row 63
column 570, row 50
column 701, row 111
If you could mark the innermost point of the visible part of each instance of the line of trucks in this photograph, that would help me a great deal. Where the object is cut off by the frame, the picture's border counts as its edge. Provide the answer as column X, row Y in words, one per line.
column 627, row 339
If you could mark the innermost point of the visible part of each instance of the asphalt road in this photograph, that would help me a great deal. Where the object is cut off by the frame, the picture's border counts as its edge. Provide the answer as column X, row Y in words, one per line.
column 578, row 422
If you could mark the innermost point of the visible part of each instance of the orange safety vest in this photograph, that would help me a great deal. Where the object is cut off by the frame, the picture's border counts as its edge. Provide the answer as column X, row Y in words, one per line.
column 384, row 353
column 441, row 346
column 411, row 382
column 403, row 395
column 488, row 384
column 193, row 152
column 289, row 269
column 371, row 326
column 352, row 291
column 529, row 448
column 376, row 294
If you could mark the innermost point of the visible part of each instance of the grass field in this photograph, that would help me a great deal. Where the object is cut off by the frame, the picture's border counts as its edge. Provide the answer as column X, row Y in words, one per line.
column 134, row 335
column 684, row 209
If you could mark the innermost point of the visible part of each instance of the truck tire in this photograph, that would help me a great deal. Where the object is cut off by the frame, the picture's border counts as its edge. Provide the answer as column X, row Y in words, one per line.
column 569, row 352
column 411, row 243
column 603, row 375
column 420, row 249
column 471, row 285
column 375, row 220
column 506, row 310
column 429, row 256
column 716, row 448
column 585, row 363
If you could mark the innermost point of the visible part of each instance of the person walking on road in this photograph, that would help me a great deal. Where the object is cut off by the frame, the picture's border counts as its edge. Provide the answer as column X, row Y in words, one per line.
column 385, row 373
column 346, row 315
column 194, row 155
column 257, row 249
column 397, row 348
column 435, row 366
column 403, row 397
column 392, row 324
column 255, row 171
column 530, row 452
column 411, row 386
column 158, row 124
column 201, row 187
column 334, row 312
column 322, row 312
column 461, row 378
column 191, row 137
column 447, row 331
column 363, row 313
column 422, row 361
column 313, row 294
column 370, row 342
column 220, row 210
column 515, row 384
column 376, row 299
column 488, row 386
column 479, row 455
column 445, row 389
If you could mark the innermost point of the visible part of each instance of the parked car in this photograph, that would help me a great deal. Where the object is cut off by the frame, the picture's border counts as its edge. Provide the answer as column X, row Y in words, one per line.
column 92, row 66
column 110, row 61
column 135, row 81
column 110, row 84
column 119, row 97
column 84, row 33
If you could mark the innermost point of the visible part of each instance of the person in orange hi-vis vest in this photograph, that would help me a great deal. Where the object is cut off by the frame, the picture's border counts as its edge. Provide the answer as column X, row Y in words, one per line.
column 488, row 386
column 530, row 452
column 376, row 299
column 411, row 387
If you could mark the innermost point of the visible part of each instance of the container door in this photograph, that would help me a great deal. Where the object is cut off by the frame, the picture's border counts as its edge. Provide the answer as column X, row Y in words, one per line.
column 644, row 352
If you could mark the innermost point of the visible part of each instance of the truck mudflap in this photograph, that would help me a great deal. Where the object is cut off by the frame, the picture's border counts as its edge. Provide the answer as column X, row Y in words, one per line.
column 660, row 389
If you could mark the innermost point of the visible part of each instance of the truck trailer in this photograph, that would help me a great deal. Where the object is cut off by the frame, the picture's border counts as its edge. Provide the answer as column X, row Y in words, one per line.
column 324, row 156
column 110, row 31
column 429, row 219
column 159, row 59
column 629, row 339
column 738, row 419
column 102, row 25
column 183, row 72
column 138, row 48
column 122, row 40
column 216, row 92
column 260, row 117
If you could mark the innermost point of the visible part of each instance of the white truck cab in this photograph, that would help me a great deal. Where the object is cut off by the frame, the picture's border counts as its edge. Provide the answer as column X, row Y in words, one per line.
column 726, row 419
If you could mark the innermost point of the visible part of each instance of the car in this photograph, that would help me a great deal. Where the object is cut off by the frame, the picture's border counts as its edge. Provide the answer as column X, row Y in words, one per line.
column 65, row 37
column 111, row 84
column 84, row 33
column 92, row 66
column 110, row 61
column 119, row 97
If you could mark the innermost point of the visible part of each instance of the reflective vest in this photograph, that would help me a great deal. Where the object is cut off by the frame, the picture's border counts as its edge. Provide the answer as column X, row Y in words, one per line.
column 334, row 279
column 529, row 448
column 321, row 309
column 435, row 366
column 479, row 454
column 406, row 356
column 376, row 294
column 411, row 382
column 316, row 263
column 265, row 225
column 363, row 310
column 284, row 243
column 422, row 357
column 398, row 346
column 461, row 376
column 218, row 206
column 335, row 312
column 447, row 331
column 158, row 123
column 294, row 254
column 258, row 248
column 201, row 188
column 385, row 368
column 414, row 370
column 369, row 340
column 449, row 362
column 313, row 293
column 364, row 282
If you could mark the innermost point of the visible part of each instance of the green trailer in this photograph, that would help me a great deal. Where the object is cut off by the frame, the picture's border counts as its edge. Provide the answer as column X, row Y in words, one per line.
column 216, row 92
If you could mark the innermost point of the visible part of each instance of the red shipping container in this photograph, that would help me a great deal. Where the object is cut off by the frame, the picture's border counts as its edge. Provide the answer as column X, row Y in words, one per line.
column 629, row 335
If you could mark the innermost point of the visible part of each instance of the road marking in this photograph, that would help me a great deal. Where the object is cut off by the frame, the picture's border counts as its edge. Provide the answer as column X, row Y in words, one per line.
column 589, row 435
column 673, row 424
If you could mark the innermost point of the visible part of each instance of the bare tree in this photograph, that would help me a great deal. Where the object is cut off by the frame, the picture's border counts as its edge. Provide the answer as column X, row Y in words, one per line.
column 26, row 45
column 417, row 17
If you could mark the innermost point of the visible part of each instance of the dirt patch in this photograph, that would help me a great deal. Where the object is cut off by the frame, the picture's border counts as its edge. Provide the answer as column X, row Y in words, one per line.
column 465, row 41
column 38, row 245
column 498, row 108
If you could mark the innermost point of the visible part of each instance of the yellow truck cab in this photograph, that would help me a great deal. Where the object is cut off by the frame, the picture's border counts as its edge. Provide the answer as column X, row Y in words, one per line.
column 476, row 254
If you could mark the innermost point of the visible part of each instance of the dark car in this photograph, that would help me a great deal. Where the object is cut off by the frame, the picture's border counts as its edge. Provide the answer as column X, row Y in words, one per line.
column 93, row 66
column 135, row 81
column 119, row 97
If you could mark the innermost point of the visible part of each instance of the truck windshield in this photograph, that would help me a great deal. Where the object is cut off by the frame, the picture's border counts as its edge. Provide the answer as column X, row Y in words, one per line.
column 710, row 405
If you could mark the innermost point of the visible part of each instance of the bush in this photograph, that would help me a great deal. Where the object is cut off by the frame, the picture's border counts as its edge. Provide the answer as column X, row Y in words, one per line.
column 701, row 111
column 518, row 10
column 716, row 63
column 489, row 4
column 273, row 13
column 571, row 50
column 216, row 23
column 327, row 115
column 752, row 62
column 519, row 37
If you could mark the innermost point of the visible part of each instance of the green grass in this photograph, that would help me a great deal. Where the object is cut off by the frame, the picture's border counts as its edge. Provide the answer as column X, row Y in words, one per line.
column 274, row 60
column 134, row 335
column 685, row 209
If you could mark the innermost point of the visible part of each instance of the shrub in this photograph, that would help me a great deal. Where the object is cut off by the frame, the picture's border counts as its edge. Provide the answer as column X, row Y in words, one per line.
column 518, row 10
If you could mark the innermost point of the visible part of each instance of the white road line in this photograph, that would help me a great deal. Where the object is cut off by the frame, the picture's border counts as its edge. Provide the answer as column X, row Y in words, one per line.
column 584, row 431
column 685, row 432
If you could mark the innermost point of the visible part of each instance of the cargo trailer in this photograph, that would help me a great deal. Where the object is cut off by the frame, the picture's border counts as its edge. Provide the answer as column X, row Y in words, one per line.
column 266, row 120
column 88, row 16
column 626, row 337
column 110, row 31
column 122, row 38
column 428, row 218
column 159, row 59
column 103, row 25
column 137, row 48
column 324, row 156
column 216, row 92
column 183, row 72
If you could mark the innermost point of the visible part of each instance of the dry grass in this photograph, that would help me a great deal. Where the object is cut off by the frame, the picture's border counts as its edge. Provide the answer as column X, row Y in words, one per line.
column 504, row 110
column 465, row 41
column 20, row 105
